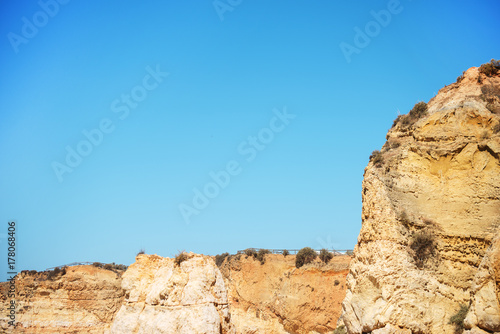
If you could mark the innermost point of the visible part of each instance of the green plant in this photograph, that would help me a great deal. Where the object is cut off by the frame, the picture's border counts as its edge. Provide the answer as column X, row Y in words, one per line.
column 340, row 330
column 424, row 247
column 285, row 253
column 458, row 318
column 219, row 259
column 304, row 256
column 261, row 255
column 325, row 255
column 98, row 264
column 490, row 68
column 142, row 251
column 180, row 257
column 377, row 158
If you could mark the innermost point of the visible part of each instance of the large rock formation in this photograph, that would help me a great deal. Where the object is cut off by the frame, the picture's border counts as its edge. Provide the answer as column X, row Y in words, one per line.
column 278, row 298
column 156, row 295
column 83, row 300
column 164, row 297
column 431, row 208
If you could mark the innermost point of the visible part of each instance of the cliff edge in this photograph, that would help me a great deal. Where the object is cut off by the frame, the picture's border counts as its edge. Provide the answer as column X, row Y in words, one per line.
column 431, row 208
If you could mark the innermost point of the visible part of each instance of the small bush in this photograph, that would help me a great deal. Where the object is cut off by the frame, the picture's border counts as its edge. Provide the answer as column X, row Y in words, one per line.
column 377, row 158
column 219, row 259
column 404, row 219
column 304, row 256
column 458, row 318
column 325, row 255
column 250, row 252
column 285, row 253
column 340, row 330
column 496, row 128
column 261, row 255
column 423, row 245
column 98, row 264
column 395, row 144
column 396, row 121
column 460, row 78
column 490, row 68
column 142, row 251
column 52, row 274
column 419, row 110
column 180, row 257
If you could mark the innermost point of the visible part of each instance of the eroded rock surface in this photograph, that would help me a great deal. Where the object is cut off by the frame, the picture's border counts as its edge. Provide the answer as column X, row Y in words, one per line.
column 278, row 298
column 162, row 297
column 83, row 300
column 438, row 180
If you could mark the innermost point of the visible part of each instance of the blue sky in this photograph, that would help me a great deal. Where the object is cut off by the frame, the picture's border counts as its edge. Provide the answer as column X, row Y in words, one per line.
column 177, row 90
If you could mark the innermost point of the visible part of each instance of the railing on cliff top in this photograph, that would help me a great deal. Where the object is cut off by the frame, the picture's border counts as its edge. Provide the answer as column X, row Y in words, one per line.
column 273, row 251
column 295, row 251
column 71, row 264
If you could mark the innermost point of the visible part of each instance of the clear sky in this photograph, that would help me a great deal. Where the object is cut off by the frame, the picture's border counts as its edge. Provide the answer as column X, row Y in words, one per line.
column 209, row 126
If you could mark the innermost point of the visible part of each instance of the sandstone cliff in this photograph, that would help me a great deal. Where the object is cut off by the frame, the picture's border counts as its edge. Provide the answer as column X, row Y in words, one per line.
column 276, row 297
column 164, row 297
column 431, row 208
column 156, row 295
column 83, row 300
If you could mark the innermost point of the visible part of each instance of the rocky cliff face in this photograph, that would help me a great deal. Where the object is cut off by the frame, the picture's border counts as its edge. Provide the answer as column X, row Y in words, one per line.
column 83, row 300
column 278, row 298
column 164, row 297
column 431, row 208
column 156, row 295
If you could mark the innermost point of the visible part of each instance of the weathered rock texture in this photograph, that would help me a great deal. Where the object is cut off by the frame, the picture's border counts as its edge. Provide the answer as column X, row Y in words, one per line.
column 438, row 181
column 83, row 300
column 484, row 311
column 155, row 295
column 276, row 297
column 163, row 297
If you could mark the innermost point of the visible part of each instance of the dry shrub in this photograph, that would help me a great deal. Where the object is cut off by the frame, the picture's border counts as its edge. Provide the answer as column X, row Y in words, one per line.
column 424, row 247
column 219, row 259
column 180, row 257
column 377, row 158
column 304, row 256
column 490, row 68
column 325, row 255
column 458, row 319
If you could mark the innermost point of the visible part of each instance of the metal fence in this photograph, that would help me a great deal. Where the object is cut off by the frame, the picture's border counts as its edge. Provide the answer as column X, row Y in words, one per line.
column 71, row 264
column 295, row 251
